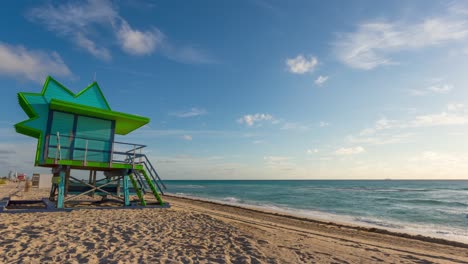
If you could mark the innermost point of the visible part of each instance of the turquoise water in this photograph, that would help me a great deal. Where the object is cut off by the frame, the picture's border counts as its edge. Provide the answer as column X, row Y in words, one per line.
column 434, row 208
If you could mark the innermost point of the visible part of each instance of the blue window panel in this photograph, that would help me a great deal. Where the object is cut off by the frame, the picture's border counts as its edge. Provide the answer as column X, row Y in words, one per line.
column 63, row 124
column 98, row 133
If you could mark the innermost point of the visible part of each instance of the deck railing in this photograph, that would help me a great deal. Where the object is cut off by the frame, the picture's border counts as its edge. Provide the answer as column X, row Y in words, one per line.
column 68, row 147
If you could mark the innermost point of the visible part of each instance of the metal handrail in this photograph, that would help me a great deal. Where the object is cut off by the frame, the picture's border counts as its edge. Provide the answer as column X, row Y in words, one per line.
column 112, row 150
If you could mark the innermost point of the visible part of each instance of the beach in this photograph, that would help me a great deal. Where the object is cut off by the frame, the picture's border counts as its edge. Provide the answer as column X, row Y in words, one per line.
column 196, row 231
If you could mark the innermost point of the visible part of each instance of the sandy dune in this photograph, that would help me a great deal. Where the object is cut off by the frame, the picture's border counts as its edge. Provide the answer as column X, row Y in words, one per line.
column 201, row 232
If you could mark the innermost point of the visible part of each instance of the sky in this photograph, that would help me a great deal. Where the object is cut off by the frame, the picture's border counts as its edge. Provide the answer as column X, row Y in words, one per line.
column 255, row 89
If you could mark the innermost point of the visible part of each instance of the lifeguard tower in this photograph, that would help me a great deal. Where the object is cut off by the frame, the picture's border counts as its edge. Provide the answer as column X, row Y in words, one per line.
column 76, row 132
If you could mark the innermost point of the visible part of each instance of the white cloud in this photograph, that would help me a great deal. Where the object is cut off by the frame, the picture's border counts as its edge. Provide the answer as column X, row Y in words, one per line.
column 372, row 44
column 34, row 65
column 312, row 151
column 381, row 139
column 455, row 106
column 250, row 120
column 186, row 54
column 323, row 124
column 89, row 25
column 442, row 119
column 187, row 137
column 452, row 117
column 75, row 21
column 434, row 89
column 387, row 131
column 350, row 151
column 444, row 164
column 442, row 89
column 279, row 163
column 137, row 42
column 90, row 46
column 191, row 113
column 294, row 126
column 321, row 80
column 276, row 159
column 301, row 64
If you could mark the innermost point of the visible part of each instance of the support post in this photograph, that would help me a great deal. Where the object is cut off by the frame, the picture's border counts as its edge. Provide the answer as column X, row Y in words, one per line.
column 90, row 176
column 61, row 189
column 126, row 191
column 67, row 180
column 94, row 181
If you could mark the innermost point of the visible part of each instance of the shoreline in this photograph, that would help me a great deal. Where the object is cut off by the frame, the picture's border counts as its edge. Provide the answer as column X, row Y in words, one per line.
column 198, row 231
column 339, row 224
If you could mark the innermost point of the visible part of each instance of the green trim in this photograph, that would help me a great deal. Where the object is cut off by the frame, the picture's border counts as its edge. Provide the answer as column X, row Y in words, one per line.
column 25, row 105
column 99, row 90
column 124, row 123
column 137, row 190
column 93, row 164
column 49, row 78
column 153, row 188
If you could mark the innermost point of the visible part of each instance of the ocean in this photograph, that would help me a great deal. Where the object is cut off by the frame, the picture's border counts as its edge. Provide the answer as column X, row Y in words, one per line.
column 434, row 208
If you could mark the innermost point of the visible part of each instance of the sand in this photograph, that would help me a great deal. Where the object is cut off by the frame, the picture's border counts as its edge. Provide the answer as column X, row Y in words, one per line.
column 194, row 231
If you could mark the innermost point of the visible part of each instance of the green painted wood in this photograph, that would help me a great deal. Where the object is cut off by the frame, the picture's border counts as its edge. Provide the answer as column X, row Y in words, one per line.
column 152, row 187
column 125, row 123
column 91, row 164
column 137, row 190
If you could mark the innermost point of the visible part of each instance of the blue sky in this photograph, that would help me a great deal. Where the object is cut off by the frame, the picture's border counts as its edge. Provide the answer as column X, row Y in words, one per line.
column 256, row 89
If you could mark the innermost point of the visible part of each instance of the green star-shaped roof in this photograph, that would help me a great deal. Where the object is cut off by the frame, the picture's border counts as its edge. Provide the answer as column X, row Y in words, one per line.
column 55, row 96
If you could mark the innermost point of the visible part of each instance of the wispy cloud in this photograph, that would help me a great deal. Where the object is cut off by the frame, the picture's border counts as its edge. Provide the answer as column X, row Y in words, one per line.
column 34, row 65
column 257, row 118
column 380, row 139
column 433, row 89
column 321, row 80
column 76, row 20
column 88, row 25
column 312, row 151
column 99, row 52
column 295, row 126
column 279, row 162
column 455, row 106
column 454, row 116
column 442, row 119
column 194, row 111
column 138, row 42
column 372, row 44
column 388, row 131
column 350, row 150
column 186, row 54
column 301, row 64
column 323, row 124
column 187, row 137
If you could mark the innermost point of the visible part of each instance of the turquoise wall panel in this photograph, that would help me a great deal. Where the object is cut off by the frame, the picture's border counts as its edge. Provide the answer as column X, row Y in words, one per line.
column 98, row 133
column 92, row 97
column 54, row 91
column 63, row 124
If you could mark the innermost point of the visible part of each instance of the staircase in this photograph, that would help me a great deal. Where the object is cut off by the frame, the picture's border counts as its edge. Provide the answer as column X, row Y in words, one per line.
column 146, row 179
